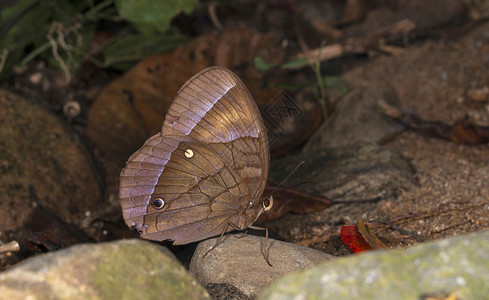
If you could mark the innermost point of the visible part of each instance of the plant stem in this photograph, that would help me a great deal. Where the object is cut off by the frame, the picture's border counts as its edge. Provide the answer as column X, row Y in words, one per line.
column 34, row 53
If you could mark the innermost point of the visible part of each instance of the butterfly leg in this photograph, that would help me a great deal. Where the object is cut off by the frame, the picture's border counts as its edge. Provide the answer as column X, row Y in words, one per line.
column 220, row 240
column 264, row 250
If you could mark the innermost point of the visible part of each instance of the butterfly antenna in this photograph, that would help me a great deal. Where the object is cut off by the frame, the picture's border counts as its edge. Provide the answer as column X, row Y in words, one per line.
column 286, row 178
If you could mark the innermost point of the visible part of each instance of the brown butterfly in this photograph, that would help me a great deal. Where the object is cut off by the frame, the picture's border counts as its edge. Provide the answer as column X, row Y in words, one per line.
column 205, row 172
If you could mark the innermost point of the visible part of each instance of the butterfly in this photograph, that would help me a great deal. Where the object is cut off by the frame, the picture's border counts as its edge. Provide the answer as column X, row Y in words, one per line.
column 205, row 173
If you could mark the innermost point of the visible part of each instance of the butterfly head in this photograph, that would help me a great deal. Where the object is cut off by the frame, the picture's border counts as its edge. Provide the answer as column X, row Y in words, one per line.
column 263, row 206
column 254, row 210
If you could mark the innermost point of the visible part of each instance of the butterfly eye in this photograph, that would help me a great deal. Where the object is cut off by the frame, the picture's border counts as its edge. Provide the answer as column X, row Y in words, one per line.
column 267, row 203
column 158, row 203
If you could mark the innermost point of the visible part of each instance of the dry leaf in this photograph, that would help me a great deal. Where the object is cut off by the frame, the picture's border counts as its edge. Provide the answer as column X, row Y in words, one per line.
column 132, row 107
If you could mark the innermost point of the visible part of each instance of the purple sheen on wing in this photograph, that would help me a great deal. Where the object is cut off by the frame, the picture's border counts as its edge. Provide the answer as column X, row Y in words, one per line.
column 126, row 192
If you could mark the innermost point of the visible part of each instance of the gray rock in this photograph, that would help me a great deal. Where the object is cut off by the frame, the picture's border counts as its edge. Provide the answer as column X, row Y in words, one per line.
column 126, row 269
column 239, row 261
column 353, row 172
column 358, row 119
column 458, row 267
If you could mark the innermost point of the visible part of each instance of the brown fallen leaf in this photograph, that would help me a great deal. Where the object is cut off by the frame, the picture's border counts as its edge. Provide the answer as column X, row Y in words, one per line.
column 132, row 108
column 369, row 237
column 47, row 230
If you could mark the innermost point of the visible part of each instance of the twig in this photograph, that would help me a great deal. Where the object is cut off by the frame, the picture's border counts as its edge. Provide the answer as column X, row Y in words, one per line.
column 368, row 200
column 12, row 246
column 54, row 45
column 315, row 240
column 211, row 10
column 406, row 232
column 375, row 42
column 3, row 59
column 451, row 226
column 323, row 54
column 405, row 219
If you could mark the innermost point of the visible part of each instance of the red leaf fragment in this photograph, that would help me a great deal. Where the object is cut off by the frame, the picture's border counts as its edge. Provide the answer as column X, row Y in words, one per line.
column 359, row 238
column 354, row 239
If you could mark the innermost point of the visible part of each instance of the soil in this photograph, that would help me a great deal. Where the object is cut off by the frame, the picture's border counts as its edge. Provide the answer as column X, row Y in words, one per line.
column 433, row 80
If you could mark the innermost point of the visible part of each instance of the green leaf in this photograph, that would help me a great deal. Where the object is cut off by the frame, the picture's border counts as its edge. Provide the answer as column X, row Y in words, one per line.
column 27, row 22
column 125, row 52
column 331, row 81
column 336, row 85
column 295, row 64
column 261, row 65
column 20, row 25
column 151, row 16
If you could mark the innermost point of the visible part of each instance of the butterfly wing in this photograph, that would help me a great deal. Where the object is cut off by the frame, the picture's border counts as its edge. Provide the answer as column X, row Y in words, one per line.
column 215, row 107
column 214, row 117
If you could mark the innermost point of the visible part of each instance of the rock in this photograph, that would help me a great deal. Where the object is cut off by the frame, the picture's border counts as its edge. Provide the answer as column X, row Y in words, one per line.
column 455, row 267
column 353, row 172
column 126, row 269
column 358, row 119
column 239, row 261
column 225, row 291
column 38, row 148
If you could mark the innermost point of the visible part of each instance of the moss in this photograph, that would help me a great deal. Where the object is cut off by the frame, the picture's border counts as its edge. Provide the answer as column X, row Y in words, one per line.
column 455, row 267
column 139, row 271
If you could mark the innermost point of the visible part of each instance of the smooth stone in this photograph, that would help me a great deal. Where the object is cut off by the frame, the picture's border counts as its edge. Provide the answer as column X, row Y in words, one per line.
column 125, row 269
column 239, row 261
column 455, row 268
column 358, row 118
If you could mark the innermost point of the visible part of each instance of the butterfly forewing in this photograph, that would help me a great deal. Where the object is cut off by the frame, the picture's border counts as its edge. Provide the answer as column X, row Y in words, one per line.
column 231, row 118
column 207, row 164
